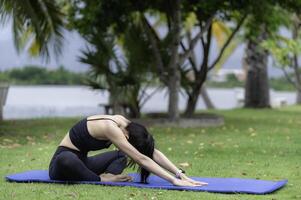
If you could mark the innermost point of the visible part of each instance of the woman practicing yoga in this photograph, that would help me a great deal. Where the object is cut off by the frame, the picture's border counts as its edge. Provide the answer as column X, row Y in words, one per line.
column 70, row 161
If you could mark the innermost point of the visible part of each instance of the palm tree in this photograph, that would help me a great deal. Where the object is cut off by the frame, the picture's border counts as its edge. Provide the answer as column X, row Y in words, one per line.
column 37, row 25
column 121, row 65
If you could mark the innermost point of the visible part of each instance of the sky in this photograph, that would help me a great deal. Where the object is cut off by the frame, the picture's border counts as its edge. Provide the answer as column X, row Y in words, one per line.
column 9, row 58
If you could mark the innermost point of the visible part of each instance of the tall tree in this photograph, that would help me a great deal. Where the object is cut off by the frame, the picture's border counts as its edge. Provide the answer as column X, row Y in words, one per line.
column 209, row 17
column 256, row 59
column 286, row 50
column 118, row 51
column 263, row 23
column 167, row 61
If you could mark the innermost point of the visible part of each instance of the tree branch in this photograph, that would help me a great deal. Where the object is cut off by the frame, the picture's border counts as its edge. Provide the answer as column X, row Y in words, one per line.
column 297, row 72
column 148, row 96
column 194, row 41
column 239, row 24
column 191, row 59
column 155, row 48
column 288, row 78
column 207, row 46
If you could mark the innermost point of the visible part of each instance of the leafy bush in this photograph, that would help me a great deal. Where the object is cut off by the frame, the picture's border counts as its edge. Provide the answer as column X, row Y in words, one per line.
column 33, row 75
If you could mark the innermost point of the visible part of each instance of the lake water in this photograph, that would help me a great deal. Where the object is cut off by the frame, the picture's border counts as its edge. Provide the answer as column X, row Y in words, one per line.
column 66, row 101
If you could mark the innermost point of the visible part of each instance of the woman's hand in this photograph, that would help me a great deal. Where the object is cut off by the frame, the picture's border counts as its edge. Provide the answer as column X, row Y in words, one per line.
column 181, row 182
column 115, row 178
column 198, row 183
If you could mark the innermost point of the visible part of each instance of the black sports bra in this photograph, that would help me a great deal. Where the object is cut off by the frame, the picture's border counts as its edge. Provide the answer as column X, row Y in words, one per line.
column 81, row 138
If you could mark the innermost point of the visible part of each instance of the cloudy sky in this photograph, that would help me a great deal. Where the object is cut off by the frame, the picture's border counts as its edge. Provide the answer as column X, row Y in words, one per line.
column 9, row 58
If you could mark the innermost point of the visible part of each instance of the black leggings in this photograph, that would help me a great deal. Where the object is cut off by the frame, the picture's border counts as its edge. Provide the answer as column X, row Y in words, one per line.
column 71, row 165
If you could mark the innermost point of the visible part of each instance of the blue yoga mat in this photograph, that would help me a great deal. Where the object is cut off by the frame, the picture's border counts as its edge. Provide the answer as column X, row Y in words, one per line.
column 218, row 185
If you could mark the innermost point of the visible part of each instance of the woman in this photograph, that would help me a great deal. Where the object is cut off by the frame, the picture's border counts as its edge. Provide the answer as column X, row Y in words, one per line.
column 70, row 161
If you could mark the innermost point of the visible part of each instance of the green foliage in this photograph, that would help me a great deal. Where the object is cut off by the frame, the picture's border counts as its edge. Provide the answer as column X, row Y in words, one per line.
column 283, row 50
column 263, row 144
column 32, row 75
column 269, row 16
column 121, row 69
column 118, row 52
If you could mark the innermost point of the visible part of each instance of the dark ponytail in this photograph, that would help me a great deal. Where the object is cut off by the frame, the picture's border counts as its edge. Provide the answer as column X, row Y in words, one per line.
column 144, row 142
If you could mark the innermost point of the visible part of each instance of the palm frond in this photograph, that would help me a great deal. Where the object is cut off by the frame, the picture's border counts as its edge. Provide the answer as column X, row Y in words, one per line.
column 41, row 18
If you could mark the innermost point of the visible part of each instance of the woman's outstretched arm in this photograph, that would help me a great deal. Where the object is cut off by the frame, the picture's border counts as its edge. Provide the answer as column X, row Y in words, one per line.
column 117, row 138
column 164, row 162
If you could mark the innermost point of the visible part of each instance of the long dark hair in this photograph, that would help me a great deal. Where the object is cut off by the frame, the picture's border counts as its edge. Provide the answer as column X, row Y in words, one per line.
column 144, row 142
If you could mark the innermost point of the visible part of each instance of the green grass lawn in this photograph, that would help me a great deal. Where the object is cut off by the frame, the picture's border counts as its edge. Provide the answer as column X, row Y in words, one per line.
column 264, row 144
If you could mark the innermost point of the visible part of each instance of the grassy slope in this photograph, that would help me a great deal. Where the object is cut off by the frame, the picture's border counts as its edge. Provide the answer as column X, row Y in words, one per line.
column 261, row 144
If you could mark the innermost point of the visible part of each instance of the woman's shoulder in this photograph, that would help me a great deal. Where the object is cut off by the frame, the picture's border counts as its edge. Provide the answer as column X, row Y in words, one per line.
column 120, row 120
column 92, row 117
column 107, row 116
column 121, row 117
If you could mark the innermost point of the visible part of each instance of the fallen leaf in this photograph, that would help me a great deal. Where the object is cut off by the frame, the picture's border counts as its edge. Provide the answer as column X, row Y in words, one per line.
column 29, row 138
column 184, row 164
column 72, row 194
column 251, row 129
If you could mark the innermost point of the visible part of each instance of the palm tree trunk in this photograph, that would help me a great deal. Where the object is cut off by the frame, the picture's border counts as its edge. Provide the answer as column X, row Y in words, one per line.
column 257, row 86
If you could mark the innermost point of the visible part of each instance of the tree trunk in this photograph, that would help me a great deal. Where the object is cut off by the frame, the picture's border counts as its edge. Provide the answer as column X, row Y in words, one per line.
column 193, row 99
column 134, row 112
column 208, row 103
column 3, row 96
column 115, row 105
column 297, row 72
column 174, row 72
column 298, row 100
column 257, row 87
column 173, row 87
column 191, row 102
column 135, row 108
